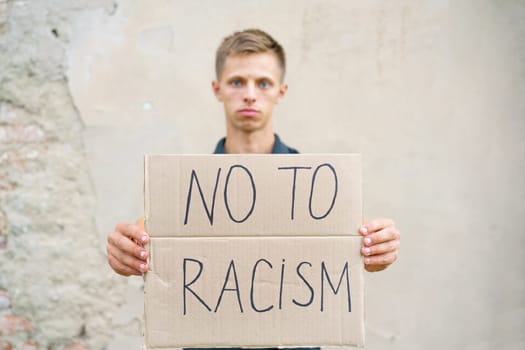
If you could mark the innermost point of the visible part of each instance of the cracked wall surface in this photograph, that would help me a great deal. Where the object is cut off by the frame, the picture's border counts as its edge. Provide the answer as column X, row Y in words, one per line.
column 56, row 291
column 431, row 93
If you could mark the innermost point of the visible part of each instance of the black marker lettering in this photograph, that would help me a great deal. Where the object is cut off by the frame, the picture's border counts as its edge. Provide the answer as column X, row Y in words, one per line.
column 209, row 212
column 335, row 290
column 186, row 286
column 226, row 193
column 294, row 168
column 281, row 286
column 236, row 289
column 253, row 280
column 309, row 302
column 312, row 192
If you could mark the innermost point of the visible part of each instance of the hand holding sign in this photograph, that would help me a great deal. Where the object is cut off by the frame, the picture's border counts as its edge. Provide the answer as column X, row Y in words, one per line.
column 127, row 256
column 126, row 253
column 380, row 244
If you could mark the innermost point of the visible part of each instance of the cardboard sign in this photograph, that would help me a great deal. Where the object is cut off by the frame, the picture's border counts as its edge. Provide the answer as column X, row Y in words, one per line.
column 253, row 251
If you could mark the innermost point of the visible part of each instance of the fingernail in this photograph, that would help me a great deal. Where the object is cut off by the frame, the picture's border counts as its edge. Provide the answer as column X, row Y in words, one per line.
column 142, row 267
column 364, row 230
column 367, row 241
column 367, row 251
column 144, row 238
column 143, row 254
column 367, row 261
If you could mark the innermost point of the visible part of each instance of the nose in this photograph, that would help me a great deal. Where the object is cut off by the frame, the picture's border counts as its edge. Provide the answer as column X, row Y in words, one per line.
column 250, row 93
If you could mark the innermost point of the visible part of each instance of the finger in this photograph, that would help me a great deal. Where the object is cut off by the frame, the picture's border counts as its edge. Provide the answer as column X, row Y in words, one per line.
column 384, row 235
column 125, row 261
column 381, row 248
column 381, row 259
column 375, row 225
column 121, row 242
column 120, row 268
column 133, row 232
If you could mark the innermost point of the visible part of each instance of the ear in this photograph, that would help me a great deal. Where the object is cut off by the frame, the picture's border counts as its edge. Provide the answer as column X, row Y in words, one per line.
column 283, row 88
column 216, row 87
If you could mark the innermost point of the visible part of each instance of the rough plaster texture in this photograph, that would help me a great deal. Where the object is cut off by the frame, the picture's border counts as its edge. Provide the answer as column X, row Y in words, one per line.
column 431, row 93
column 57, row 289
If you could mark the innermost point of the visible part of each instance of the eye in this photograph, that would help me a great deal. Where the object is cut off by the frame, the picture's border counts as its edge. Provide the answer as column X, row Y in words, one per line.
column 236, row 83
column 264, row 85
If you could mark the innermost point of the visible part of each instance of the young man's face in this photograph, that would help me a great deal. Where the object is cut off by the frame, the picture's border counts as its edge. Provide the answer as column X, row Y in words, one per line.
column 250, row 87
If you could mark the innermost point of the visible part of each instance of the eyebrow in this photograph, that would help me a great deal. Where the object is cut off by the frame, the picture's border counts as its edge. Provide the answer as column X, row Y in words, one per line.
column 240, row 77
column 235, row 77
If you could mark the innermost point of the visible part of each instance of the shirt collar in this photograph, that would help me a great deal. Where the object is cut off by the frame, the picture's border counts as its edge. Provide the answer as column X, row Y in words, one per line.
column 278, row 146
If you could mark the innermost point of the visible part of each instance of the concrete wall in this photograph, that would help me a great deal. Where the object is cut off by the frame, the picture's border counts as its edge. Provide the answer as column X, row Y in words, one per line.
column 431, row 93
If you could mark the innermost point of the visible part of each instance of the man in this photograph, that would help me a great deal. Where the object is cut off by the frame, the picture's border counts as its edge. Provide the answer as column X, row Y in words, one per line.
column 250, row 68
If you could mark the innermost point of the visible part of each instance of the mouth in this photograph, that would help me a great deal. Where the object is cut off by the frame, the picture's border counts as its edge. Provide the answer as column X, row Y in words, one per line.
column 248, row 112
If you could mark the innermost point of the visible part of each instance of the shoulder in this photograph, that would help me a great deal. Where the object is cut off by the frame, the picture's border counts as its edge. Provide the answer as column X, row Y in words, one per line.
column 280, row 147
column 292, row 150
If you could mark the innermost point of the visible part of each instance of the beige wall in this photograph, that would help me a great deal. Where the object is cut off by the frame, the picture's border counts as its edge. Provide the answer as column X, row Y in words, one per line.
column 432, row 93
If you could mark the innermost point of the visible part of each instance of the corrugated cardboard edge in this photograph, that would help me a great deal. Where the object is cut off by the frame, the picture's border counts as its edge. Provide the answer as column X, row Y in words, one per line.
column 146, row 190
column 146, row 211
column 363, row 330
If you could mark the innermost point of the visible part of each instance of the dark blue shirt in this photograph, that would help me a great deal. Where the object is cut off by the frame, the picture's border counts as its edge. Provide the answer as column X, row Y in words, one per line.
column 278, row 148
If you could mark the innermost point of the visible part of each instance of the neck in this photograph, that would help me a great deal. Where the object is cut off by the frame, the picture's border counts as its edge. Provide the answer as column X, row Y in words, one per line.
column 260, row 141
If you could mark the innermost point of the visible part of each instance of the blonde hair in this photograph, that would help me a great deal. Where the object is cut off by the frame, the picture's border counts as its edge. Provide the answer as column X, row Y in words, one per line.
column 245, row 42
